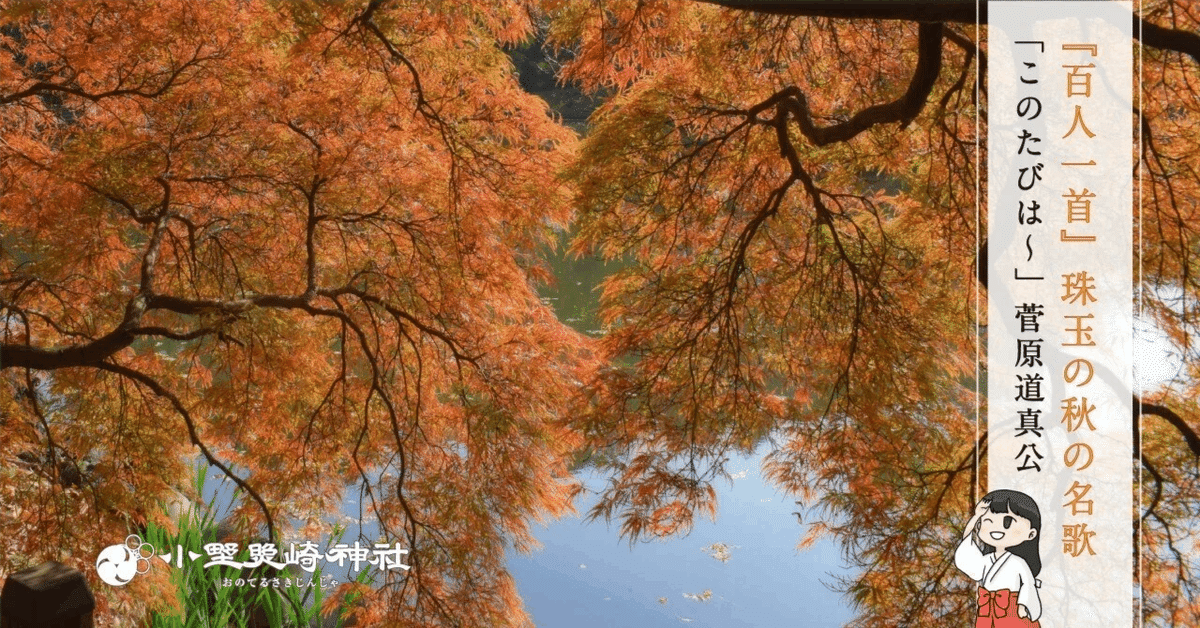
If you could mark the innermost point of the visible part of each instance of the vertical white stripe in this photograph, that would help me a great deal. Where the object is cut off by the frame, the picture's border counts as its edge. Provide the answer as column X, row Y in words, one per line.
column 1076, row 232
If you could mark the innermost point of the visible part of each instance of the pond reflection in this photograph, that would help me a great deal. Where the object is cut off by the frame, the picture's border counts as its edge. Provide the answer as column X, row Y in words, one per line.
column 742, row 570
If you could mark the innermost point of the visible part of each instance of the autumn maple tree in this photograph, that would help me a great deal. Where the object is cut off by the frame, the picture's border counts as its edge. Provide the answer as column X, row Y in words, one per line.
column 304, row 241
column 792, row 187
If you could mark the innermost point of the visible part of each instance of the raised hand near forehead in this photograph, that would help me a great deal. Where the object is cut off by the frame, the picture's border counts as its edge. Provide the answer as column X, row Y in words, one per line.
column 972, row 528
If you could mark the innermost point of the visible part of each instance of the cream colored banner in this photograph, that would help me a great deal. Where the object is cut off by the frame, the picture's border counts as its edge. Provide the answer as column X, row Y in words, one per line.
column 1060, row 302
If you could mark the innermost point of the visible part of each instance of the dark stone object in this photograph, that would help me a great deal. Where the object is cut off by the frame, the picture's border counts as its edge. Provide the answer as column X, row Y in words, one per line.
column 51, row 595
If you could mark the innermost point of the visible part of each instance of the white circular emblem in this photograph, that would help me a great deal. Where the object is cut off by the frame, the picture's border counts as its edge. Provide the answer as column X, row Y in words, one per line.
column 118, row 564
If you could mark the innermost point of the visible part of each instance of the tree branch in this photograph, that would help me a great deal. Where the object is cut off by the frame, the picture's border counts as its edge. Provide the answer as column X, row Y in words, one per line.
column 960, row 11
column 902, row 110
column 141, row 91
column 193, row 435
column 1190, row 436
column 14, row 355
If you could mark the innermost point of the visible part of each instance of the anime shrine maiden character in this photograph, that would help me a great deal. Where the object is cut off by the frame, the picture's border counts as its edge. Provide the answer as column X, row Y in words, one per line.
column 1000, row 551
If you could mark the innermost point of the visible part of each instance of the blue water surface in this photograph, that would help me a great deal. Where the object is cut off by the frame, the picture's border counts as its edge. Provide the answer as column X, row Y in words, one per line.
column 586, row 576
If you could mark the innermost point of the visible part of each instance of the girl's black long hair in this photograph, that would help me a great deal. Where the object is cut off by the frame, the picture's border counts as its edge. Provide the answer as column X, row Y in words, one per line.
column 1022, row 505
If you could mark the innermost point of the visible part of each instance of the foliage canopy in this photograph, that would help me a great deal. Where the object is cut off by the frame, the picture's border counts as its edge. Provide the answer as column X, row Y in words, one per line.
column 308, row 243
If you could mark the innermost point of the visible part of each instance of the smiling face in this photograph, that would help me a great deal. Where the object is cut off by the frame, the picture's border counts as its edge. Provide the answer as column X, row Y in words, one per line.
column 1003, row 530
